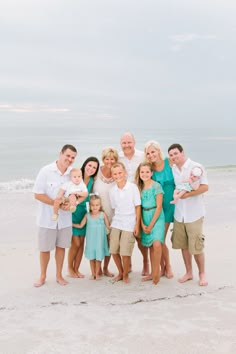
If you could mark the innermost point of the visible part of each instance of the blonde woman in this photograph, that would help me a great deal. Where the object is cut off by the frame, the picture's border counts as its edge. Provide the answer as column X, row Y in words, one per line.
column 102, row 185
column 162, row 173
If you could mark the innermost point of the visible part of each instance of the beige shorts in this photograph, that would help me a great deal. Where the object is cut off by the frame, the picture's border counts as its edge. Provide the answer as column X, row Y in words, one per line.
column 48, row 239
column 121, row 242
column 188, row 236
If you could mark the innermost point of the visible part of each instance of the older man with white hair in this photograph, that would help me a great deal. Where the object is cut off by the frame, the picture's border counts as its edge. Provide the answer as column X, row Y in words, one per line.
column 131, row 158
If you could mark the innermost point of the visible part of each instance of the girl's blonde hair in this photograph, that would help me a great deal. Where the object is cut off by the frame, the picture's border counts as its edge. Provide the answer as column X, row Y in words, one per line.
column 138, row 180
column 95, row 197
column 110, row 152
column 156, row 146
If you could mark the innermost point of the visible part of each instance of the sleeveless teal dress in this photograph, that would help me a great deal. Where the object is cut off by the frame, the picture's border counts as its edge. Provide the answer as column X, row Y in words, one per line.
column 81, row 210
column 148, row 201
column 96, row 246
column 166, row 179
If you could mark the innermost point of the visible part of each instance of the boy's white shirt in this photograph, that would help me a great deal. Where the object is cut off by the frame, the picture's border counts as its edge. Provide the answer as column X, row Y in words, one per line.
column 124, row 201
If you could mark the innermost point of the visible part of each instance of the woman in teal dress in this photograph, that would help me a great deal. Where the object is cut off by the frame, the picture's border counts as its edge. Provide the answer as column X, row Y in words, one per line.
column 162, row 173
column 153, row 219
column 89, row 171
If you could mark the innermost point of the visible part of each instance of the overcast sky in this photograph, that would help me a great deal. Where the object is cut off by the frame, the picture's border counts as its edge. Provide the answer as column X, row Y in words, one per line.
column 114, row 60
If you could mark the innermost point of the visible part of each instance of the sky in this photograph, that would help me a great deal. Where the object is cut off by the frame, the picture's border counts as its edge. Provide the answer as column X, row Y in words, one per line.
column 152, row 62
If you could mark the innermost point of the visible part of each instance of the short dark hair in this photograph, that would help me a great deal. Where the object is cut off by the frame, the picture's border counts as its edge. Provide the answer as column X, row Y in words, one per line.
column 176, row 146
column 68, row 146
column 93, row 159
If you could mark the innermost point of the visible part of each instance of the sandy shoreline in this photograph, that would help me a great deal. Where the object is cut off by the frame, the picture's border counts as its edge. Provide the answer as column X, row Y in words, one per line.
column 99, row 317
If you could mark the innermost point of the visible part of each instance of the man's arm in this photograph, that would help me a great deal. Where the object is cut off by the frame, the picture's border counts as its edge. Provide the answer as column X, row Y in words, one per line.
column 43, row 198
column 203, row 188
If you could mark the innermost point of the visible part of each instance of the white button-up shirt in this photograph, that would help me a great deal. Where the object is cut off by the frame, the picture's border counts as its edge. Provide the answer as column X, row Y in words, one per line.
column 124, row 201
column 49, row 181
column 132, row 164
column 192, row 208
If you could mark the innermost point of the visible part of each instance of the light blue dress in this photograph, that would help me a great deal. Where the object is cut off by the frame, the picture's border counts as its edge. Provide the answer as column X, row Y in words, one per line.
column 148, row 201
column 96, row 238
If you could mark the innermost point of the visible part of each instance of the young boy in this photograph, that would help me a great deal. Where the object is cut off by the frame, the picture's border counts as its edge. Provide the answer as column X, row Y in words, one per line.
column 125, row 200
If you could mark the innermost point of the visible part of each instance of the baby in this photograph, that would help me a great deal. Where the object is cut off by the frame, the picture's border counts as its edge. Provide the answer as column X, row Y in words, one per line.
column 192, row 183
column 72, row 192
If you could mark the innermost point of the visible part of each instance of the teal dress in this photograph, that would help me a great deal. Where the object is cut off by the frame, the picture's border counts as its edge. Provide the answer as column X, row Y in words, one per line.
column 81, row 210
column 148, row 202
column 166, row 179
column 96, row 238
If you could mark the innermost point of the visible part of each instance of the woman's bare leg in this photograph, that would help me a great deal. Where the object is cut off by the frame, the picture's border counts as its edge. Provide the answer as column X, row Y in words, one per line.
column 78, row 257
column 165, row 258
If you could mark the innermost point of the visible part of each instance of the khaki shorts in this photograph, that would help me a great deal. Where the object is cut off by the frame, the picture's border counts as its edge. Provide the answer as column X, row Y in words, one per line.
column 121, row 242
column 188, row 236
column 48, row 239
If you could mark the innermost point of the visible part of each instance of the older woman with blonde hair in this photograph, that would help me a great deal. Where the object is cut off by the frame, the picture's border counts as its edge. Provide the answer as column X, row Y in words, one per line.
column 162, row 173
column 102, row 185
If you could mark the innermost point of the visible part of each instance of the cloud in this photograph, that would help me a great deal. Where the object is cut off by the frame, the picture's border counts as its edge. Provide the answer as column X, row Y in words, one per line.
column 179, row 40
column 4, row 107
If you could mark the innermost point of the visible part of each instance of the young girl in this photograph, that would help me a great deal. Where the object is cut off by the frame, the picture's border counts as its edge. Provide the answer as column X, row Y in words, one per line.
column 96, row 235
column 153, row 220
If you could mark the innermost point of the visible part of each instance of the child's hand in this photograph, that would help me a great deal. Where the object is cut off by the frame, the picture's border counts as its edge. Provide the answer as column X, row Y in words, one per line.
column 136, row 230
column 147, row 229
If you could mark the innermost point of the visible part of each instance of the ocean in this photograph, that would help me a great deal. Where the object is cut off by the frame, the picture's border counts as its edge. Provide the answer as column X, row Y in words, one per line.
column 27, row 144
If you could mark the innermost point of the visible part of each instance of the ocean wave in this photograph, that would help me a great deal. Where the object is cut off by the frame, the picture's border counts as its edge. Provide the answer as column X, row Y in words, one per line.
column 21, row 185
column 26, row 185
column 224, row 167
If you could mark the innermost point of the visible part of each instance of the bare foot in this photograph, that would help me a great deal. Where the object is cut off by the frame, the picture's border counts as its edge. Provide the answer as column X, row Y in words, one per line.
column 62, row 281
column 185, row 278
column 149, row 277
column 168, row 273
column 155, row 281
column 39, row 282
column 108, row 274
column 126, row 280
column 162, row 272
column 80, row 275
column 117, row 278
column 92, row 277
column 72, row 273
column 145, row 270
column 202, row 280
column 98, row 277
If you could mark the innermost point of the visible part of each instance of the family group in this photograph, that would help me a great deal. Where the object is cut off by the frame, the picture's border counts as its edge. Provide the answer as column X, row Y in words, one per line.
column 102, row 210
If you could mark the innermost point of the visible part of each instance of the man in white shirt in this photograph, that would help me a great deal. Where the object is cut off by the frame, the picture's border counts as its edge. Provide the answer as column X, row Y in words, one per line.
column 53, row 234
column 189, row 215
column 131, row 158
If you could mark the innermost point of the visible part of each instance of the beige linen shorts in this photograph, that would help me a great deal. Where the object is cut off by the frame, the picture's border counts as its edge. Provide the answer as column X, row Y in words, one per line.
column 48, row 239
column 188, row 236
column 121, row 242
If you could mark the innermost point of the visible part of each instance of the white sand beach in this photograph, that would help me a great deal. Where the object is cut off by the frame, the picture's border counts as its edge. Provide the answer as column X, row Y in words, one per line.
column 100, row 317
